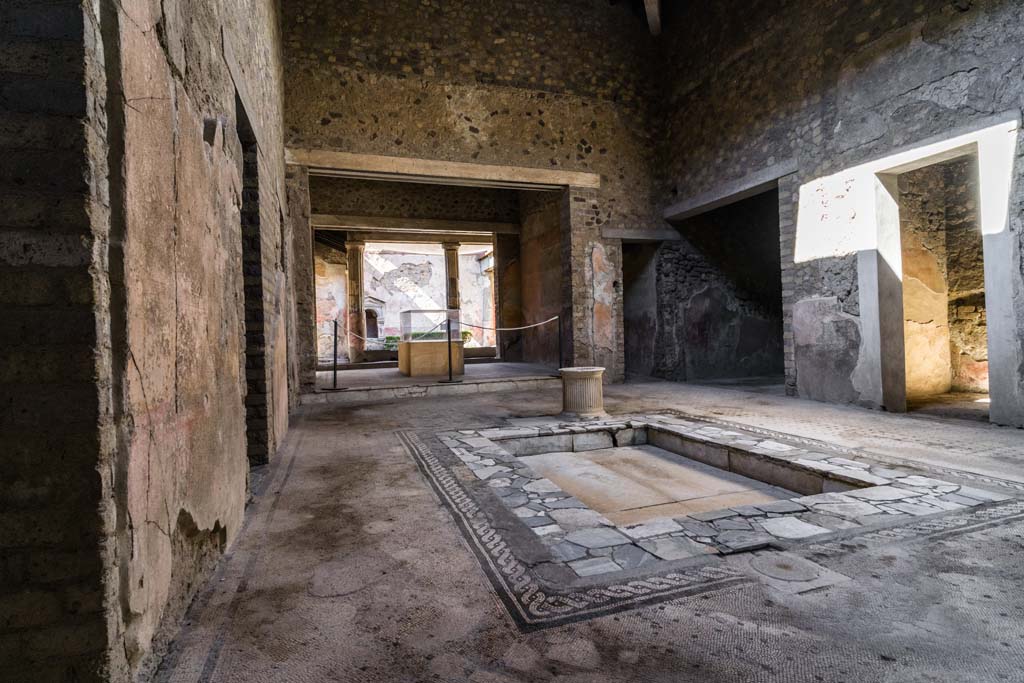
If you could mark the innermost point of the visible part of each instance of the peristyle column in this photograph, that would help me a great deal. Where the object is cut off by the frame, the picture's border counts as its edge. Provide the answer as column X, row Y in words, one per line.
column 451, row 269
column 356, row 314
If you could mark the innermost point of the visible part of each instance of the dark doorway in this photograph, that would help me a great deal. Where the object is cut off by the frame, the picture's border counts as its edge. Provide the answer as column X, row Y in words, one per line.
column 256, row 379
column 944, row 328
column 372, row 330
column 722, row 293
column 639, row 306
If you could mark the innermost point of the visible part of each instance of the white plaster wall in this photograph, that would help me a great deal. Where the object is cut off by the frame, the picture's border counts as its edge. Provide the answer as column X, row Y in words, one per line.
column 855, row 212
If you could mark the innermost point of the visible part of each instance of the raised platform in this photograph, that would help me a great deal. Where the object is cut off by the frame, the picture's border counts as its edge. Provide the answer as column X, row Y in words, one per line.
column 429, row 358
column 373, row 385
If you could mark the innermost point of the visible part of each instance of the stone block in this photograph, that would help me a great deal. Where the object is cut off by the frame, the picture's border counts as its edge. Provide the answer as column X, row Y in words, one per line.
column 596, row 538
column 654, row 527
column 774, row 472
column 791, row 528
column 592, row 441
column 674, row 548
column 594, row 566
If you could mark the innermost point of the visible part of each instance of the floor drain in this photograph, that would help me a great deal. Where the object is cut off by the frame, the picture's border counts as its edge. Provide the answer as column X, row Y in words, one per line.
column 785, row 567
column 786, row 573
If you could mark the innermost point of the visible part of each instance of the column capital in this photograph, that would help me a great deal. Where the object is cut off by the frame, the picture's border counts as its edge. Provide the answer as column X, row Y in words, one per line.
column 354, row 244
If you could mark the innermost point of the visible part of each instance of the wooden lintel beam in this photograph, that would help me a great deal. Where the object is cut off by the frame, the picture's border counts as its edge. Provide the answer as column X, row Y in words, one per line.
column 410, row 170
column 409, row 225
column 666, row 235
column 413, row 237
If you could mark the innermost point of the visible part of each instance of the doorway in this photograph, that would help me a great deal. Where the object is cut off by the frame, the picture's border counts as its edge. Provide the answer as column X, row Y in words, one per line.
column 944, row 327
column 639, row 306
column 722, row 287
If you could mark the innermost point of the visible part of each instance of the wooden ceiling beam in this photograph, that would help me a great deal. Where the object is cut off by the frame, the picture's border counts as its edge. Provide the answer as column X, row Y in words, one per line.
column 653, row 9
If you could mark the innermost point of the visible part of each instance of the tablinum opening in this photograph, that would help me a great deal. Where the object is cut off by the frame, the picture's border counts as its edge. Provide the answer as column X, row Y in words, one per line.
column 725, row 294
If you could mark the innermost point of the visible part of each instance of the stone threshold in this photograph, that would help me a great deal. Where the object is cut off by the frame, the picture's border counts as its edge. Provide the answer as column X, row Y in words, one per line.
column 840, row 494
column 431, row 389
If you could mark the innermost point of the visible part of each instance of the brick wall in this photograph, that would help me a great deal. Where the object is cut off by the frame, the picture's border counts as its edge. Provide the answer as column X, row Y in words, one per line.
column 354, row 197
column 123, row 422
column 54, row 420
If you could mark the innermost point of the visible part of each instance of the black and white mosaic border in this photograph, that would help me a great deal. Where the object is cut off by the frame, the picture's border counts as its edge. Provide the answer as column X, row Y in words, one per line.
column 619, row 568
column 532, row 603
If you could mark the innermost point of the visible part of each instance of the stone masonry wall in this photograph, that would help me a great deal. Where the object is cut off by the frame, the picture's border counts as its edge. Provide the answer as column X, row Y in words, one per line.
column 204, row 234
column 555, row 84
column 943, row 279
column 965, row 279
column 303, row 371
column 55, row 373
column 830, row 84
column 125, row 117
column 720, row 294
column 354, row 197
column 922, row 204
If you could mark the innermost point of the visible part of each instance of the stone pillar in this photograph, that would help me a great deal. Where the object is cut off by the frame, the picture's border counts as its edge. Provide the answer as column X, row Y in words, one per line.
column 356, row 314
column 451, row 269
column 582, row 392
column 297, row 190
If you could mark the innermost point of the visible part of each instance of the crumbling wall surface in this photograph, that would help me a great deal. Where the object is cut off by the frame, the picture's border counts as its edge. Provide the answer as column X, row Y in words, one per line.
column 55, row 374
column 192, row 73
column 397, row 280
column 965, row 278
column 922, row 203
column 750, row 84
column 356, row 197
column 122, row 190
column 551, row 84
column 721, row 310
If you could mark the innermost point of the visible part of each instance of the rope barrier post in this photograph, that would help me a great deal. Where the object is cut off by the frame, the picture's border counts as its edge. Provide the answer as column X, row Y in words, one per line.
column 451, row 379
column 334, row 384
column 560, row 364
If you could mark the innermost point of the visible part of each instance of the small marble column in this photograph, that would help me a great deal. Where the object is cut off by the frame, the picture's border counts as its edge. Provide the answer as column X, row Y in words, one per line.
column 582, row 392
column 356, row 314
column 451, row 269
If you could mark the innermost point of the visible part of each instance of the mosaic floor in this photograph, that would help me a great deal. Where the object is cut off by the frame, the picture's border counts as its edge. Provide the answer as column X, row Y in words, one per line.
column 576, row 519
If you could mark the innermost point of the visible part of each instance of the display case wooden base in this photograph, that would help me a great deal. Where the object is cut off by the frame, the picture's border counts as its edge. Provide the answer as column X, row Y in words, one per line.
column 429, row 358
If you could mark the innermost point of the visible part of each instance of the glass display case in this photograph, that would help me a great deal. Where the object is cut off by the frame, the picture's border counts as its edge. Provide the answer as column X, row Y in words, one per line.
column 424, row 350
column 429, row 325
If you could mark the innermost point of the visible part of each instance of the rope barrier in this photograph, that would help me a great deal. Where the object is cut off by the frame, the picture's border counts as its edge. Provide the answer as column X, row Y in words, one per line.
column 416, row 334
column 479, row 327
column 510, row 329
